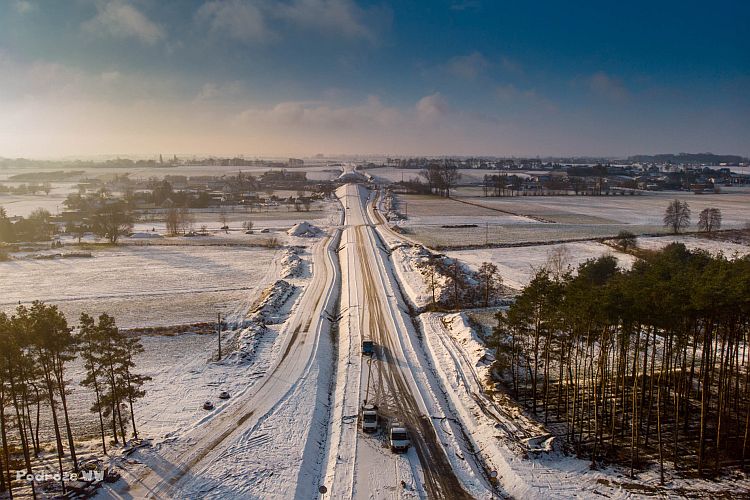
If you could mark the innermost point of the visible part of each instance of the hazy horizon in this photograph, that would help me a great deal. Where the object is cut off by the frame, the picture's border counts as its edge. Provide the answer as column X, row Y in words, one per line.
column 343, row 77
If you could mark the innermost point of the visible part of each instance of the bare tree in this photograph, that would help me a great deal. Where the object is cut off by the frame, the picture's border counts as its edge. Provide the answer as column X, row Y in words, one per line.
column 223, row 220
column 558, row 261
column 77, row 229
column 449, row 176
column 172, row 220
column 626, row 240
column 709, row 220
column 186, row 220
column 112, row 221
column 677, row 216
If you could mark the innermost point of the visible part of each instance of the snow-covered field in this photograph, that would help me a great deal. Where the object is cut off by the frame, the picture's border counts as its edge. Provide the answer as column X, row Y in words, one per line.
column 141, row 286
column 393, row 174
column 728, row 248
column 439, row 237
column 23, row 205
column 517, row 264
column 643, row 209
column 523, row 219
column 291, row 423
column 316, row 171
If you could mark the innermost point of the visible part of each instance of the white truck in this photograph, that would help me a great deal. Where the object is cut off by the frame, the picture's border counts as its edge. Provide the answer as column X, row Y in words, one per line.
column 369, row 418
column 398, row 437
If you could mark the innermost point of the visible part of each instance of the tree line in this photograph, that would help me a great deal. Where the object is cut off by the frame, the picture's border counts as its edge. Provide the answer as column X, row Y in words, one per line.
column 109, row 219
column 36, row 349
column 23, row 189
column 453, row 286
column 677, row 217
column 639, row 365
column 441, row 178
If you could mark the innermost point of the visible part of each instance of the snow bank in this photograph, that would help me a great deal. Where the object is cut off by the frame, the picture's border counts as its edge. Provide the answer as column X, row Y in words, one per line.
column 305, row 230
column 415, row 265
column 292, row 265
column 267, row 310
column 481, row 356
column 243, row 346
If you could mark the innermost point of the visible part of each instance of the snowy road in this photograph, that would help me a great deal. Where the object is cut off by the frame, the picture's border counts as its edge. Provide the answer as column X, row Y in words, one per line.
column 360, row 465
column 297, row 427
column 187, row 469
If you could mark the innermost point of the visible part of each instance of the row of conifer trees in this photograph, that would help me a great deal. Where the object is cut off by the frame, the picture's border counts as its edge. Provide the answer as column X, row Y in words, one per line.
column 650, row 363
column 37, row 347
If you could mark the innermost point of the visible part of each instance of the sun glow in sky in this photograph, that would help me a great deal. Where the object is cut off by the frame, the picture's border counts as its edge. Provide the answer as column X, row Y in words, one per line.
column 299, row 77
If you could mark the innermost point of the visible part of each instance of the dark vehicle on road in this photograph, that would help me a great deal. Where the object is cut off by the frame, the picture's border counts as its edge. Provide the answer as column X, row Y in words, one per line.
column 368, row 347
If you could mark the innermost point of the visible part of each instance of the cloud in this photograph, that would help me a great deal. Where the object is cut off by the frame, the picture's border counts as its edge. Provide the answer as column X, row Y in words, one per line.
column 237, row 19
column 342, row 17
column 52, row 83
column 24, row 6
column 121, row 20
column 110, row 76
column 326, row 115
column 215, row 91
column 432, row 107
column 262, row 20
column 510, row 65
column 467, row 67
column 509, row 93
column 607, row 86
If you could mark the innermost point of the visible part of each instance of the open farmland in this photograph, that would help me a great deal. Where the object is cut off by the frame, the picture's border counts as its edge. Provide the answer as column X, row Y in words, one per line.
column 23, row 204
column 714, row 247
column 646, row 208
column 141, row 286
column 529, row 219
column 393, row 174
column 314, row 171
column 518, row 264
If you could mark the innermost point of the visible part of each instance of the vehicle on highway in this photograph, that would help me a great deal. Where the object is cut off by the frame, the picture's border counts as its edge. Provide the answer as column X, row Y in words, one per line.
column 369, row 418
column 368, row 347
column 208, row 405
column 224, row 395
column 398, row 437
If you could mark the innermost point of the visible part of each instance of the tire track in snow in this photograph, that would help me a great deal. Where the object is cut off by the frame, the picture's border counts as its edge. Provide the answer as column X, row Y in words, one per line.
column 276, row 387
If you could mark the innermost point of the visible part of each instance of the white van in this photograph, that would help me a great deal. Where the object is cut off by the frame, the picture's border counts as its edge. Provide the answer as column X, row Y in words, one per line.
column 398, row 437
column 369, row 418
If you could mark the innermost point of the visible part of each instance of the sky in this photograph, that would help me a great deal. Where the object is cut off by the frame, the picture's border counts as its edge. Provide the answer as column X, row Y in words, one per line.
column 393, row 77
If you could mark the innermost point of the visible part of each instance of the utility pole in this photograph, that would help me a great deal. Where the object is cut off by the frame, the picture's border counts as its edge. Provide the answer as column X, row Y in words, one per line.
column 486, row 233
column 218, row 328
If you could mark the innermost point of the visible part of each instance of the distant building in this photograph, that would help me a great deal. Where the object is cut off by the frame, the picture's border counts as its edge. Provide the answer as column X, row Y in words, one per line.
column 296, row 162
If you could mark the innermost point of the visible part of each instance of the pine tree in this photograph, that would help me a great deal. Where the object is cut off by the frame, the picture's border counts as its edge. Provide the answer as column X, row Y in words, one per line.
column 90, row 344
column 133, row 381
